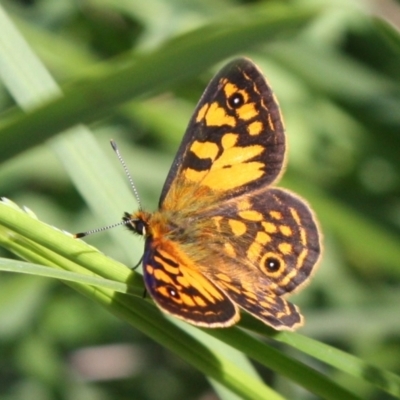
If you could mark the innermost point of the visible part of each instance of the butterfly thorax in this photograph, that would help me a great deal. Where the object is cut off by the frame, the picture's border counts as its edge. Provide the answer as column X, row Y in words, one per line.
column 182, row 233
column 160, row 224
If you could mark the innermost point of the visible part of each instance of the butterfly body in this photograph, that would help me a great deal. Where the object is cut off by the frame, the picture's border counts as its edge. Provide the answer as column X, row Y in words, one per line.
column 223, row 238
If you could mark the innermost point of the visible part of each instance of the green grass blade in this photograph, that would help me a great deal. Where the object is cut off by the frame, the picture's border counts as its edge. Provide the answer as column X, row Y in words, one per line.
column 22, row 267
column 180, row 58
column 385, row 380
column 58, row 249
column 62, row 251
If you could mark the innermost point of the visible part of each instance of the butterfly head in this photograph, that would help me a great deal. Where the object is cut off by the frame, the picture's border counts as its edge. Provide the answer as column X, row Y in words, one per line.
column 136, row 222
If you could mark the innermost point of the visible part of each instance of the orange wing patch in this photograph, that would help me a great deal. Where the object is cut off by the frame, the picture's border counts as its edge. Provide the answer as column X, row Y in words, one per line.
column 215, row 115
column 231, row 169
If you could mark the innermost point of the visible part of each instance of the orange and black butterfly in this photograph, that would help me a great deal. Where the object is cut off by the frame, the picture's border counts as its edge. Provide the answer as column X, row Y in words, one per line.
column 223, row 237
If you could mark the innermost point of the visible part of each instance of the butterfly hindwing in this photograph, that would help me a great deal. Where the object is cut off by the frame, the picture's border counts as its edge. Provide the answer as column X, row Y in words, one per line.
column 268, row 246
column 180, row 289
column 272, row 231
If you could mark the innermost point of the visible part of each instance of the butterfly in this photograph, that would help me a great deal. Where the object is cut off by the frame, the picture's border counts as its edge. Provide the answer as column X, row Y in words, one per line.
column 223, row 238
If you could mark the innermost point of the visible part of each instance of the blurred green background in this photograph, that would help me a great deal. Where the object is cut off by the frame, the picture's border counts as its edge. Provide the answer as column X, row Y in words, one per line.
column 337, row 80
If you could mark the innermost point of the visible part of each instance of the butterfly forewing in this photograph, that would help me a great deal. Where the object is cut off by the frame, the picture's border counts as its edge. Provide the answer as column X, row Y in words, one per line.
column 235, row 140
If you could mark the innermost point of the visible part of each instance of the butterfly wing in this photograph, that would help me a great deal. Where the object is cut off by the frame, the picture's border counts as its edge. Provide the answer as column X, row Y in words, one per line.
column 180, row 289
column 268, row 246
column 235, row 140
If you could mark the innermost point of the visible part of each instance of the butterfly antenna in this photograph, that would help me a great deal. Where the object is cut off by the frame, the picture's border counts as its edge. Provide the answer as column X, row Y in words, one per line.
column 127, row 173
column 135, row 192
column 104, row 228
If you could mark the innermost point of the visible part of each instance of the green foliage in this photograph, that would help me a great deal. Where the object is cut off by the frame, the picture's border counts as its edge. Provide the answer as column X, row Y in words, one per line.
column 136, row 69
